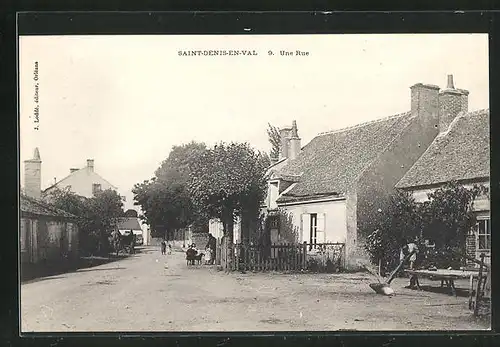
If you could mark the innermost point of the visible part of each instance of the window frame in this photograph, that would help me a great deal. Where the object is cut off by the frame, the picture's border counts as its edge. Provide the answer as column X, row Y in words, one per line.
column 313, row 232
column 94, row 190
column 486, row 234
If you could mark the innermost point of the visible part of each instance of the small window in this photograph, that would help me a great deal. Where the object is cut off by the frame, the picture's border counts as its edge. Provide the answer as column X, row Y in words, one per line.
column 96, row 188
column 483, row 234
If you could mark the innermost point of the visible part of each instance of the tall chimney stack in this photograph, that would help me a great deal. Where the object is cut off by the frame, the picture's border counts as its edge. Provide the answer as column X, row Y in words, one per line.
column 33, row 176
column 90, row 164
column 285, row 142
column 425, row 104
column 451, row 102
column 294, row 142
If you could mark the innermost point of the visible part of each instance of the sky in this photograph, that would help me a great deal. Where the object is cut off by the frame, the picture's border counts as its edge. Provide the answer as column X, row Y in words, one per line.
column 124, row 101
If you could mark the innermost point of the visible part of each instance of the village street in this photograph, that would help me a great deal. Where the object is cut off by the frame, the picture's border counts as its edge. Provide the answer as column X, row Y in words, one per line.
column 141, row 294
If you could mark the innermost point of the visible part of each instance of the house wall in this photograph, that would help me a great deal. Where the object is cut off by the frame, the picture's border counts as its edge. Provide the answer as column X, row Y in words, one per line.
column 377, row 183
column 216, row 229
column 482, row 203
column 354, row 250
column 43, row 239
column 335, row 219
column 81, row 183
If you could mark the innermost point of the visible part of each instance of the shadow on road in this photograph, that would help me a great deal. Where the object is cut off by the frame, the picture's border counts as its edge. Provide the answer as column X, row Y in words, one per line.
column 30, row 272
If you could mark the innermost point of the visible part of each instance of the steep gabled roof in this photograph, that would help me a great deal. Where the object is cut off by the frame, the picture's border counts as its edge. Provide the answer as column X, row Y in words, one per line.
column 332, row 161
column 129, row 223
column 76, row 172
column 40, row 208
column 461, row 153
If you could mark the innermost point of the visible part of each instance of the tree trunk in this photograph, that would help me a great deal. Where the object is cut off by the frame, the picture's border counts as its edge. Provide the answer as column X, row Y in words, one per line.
column 229, row 233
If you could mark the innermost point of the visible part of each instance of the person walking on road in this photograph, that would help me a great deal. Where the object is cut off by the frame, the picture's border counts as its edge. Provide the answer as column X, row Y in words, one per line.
column 163, row 247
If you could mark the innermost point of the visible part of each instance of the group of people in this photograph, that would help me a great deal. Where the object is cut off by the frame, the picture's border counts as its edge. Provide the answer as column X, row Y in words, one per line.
column 164, row 247
column 208, row 255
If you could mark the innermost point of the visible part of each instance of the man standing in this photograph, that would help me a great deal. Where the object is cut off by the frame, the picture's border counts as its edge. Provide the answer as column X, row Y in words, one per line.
column 410, row 247
column 132, row 242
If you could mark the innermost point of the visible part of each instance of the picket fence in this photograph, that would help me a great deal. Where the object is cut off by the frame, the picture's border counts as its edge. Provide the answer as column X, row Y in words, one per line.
column 281, row 257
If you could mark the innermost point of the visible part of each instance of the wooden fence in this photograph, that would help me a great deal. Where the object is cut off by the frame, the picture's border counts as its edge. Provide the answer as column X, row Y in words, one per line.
column 284, row 257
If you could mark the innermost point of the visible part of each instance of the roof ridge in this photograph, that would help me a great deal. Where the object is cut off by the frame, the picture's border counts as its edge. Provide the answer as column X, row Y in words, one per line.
column 47, row 206
column 399, row 115
column 461, row 115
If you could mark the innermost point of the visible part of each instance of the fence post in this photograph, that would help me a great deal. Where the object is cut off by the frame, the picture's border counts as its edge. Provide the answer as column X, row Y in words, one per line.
column 478, row 290
column 294, row 257
column 304, row 251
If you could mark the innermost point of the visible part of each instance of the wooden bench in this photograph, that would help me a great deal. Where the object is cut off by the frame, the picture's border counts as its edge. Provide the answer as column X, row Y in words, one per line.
column 445, row 276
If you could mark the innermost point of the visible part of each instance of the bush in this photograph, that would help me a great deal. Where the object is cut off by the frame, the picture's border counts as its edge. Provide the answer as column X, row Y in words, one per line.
column 445, row 220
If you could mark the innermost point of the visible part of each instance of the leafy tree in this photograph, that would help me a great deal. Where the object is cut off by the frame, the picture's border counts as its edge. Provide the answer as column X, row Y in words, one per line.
column 97, row 217
column 400, row 223
column 228, row 180
column 445, row 220
column 104, row 211
column 275, row 140
column 448, row 218
column 165, row 199
column 177, row 167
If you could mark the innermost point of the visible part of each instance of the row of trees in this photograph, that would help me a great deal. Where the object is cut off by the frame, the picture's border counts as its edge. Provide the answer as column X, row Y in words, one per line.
column 97, row 217
column 196, row 183
column 445, row 219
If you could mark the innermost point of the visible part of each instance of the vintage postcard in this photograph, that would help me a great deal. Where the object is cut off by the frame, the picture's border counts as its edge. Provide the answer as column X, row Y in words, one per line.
column 177, row 183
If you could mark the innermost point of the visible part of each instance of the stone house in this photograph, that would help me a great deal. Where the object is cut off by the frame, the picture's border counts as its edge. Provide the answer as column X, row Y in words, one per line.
column 336, row 185
column 460, row 153
column 84, row 181
column 46, row 234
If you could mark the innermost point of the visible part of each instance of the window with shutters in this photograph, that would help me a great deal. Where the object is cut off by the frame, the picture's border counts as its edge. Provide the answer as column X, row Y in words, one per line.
column 320, row 228
column 273, row 194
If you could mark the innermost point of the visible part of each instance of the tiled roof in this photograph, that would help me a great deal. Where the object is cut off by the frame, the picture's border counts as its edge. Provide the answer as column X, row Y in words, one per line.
column 129, row 223
column 40, row 208
column 332, row 161
column 461, row 153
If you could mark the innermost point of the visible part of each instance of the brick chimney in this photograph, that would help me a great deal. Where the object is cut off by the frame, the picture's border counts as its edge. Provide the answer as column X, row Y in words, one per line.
column 451, row 102
column 90, row 164
column 285, row 142
column 33, row 176
column 294, row 142
column 425, row 104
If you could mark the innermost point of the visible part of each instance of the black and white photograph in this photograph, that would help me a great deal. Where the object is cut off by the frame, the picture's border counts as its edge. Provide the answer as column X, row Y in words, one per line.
column 215, row 183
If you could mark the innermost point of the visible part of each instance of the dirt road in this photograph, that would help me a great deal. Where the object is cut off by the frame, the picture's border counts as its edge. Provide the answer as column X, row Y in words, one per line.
column 151, row 292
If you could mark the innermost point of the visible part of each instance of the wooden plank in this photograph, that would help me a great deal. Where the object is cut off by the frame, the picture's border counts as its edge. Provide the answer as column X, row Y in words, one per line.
column 478, row 288
column 247, row 258
column 304, row 252
column 286, row 258
column 294, row 250
column 258, row 266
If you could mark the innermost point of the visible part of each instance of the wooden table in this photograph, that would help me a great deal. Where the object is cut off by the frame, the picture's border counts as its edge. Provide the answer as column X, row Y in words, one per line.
column 444, row 275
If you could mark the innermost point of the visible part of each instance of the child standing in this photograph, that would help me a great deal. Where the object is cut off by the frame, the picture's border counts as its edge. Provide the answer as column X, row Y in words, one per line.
column 208, row 256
